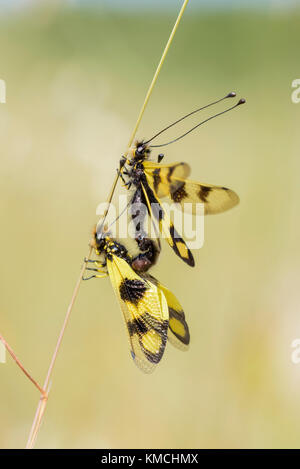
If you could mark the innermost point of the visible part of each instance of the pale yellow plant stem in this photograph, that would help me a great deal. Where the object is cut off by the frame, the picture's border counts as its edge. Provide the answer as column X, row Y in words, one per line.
column 43, row 402
column 154, row 79
column 149, row 92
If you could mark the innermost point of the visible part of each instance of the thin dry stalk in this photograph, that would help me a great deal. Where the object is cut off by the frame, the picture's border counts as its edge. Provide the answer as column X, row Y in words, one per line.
column 42, row 403
column 22, row 367
column 149, row 92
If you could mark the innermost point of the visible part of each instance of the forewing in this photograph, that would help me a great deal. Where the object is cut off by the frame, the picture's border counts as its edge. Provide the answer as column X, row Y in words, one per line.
column 145, row 313
column 216, row 199
column 162, row 177
column 171, row 181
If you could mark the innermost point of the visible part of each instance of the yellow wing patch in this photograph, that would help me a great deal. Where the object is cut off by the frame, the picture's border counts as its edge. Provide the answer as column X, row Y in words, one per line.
column 145, row 313
column 216, row 199
column 173, row 183
column 162, row 177
column 178, row 332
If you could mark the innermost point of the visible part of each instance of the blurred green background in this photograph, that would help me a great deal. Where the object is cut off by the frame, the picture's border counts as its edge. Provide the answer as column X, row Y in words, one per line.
column 76, row 78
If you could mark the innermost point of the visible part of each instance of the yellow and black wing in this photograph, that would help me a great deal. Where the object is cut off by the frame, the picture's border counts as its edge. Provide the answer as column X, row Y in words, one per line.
column 162, row 176
column 178, row 331
column 173, row 183
column 166, row 226
column 145, row 313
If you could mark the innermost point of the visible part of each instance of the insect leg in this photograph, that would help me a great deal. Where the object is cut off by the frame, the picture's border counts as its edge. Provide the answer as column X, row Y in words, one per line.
column 96, row 270
column 95, row 276
column 121, row 176
column 95, row 261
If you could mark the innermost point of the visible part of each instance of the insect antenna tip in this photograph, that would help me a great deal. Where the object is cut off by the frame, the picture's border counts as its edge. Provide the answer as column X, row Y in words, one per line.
column 232, row 94
column 241, row 101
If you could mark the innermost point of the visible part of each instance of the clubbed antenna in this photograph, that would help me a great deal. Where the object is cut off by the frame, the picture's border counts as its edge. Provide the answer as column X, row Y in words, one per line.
column 232, row 94
column 241, row 101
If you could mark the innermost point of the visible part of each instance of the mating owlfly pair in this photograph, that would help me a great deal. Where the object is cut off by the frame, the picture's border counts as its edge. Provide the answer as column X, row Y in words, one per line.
column 151, row 312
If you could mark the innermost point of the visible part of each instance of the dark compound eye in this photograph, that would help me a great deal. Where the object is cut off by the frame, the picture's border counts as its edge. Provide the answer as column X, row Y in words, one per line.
column 140, row 149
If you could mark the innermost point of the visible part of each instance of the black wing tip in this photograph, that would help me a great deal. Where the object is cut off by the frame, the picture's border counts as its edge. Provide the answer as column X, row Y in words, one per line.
column 190, row 261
